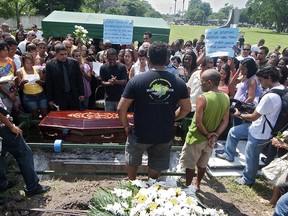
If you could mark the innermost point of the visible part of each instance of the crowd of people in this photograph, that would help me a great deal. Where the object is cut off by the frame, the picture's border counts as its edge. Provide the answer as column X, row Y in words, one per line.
column 160, row 83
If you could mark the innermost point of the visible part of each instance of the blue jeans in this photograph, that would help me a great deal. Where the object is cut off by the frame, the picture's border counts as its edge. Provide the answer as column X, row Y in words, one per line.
column 234, row 136
column 19, row 149
column 281, row 207
column 34, row 102
column 252, row 151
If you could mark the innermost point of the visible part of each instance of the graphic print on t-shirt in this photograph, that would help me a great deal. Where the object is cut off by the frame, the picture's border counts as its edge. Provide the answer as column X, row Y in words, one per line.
column 159, row 90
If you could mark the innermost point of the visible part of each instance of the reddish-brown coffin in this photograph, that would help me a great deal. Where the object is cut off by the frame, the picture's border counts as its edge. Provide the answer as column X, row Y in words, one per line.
column 84, row 126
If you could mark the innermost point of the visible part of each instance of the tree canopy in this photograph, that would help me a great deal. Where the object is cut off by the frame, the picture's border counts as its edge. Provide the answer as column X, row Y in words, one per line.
column 268, row 13
column 198, row 11
column 15, row 8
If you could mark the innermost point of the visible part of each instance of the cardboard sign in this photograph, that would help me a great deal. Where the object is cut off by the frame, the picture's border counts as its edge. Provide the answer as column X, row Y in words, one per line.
column 220, row 41
column 118, row 31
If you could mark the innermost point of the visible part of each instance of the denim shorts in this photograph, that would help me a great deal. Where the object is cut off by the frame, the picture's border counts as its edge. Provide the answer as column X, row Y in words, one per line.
column 158, row 154
column 33, row 102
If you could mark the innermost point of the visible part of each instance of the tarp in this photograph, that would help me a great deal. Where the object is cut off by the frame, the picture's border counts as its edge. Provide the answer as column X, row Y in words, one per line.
column 61, row 23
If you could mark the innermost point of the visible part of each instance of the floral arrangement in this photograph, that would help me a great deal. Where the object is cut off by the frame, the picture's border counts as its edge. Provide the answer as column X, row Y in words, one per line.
column 81, row 34
column 136, row 198
column 283, row 136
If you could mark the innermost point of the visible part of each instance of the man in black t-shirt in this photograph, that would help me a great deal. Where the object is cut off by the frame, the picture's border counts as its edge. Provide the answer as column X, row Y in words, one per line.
column 155, row 95
column 114, row 79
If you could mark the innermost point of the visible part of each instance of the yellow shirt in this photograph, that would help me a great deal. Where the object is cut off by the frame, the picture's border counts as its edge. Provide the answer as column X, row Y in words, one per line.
column 31, row 88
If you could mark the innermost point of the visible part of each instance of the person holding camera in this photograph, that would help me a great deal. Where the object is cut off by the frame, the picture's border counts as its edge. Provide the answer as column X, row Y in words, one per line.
column 258, row 134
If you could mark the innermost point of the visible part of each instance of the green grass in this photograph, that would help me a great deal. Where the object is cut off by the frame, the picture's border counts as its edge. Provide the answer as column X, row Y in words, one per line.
column 241, row 195
column 252, row 35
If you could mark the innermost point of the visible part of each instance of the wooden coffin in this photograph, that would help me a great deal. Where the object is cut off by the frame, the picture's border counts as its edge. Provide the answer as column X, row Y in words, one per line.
column 88, row 126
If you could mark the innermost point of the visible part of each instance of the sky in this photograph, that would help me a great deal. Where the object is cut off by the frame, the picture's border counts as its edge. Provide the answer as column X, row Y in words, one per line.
column 167, row 6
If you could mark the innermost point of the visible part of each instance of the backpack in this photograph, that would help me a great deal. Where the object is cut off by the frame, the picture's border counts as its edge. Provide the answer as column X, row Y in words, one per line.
column 282, row 120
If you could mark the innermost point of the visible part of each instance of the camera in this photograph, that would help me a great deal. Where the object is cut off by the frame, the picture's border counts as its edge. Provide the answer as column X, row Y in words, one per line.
column 241, row 106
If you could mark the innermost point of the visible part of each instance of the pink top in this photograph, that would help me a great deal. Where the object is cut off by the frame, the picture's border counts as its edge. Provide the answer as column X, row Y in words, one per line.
column 224, row 89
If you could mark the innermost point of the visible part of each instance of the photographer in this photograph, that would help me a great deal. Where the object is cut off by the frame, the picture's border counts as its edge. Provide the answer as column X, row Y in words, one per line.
column 258, row 134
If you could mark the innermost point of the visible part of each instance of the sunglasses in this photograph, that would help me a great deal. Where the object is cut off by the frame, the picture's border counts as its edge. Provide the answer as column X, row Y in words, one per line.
column 246, row 49
column 33, row 35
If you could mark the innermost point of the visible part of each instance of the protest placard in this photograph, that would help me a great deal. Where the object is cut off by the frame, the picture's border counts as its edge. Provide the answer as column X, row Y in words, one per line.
column 118, row 31
column 220, row 41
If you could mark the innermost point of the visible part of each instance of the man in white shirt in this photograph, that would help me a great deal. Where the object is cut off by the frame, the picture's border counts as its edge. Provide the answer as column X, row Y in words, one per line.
column 39, row 34
column 22, row 45
column 194, row 85
column 256, row 47
column 245, row 52
column 258, row 133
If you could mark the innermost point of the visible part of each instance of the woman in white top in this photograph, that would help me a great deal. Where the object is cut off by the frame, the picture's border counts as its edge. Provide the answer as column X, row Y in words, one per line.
column 141, row 65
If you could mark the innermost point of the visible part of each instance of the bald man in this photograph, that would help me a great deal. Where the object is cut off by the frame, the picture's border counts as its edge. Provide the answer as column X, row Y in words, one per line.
column 210, row 120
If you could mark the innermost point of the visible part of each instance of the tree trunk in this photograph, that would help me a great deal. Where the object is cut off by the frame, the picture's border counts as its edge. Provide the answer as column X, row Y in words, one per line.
column 17, row 13
column 279, row 27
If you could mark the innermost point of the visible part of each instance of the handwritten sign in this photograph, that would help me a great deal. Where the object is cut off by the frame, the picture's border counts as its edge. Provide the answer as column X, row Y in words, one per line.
column 220, row 41
column 118, row 31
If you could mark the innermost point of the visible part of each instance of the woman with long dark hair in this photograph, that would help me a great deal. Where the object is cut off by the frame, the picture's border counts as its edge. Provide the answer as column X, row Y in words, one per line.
column 246, row 84
column 225, row 78
column 189, row 65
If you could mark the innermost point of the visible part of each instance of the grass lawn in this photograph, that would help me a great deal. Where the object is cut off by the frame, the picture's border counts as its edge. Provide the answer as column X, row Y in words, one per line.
column 252, row 35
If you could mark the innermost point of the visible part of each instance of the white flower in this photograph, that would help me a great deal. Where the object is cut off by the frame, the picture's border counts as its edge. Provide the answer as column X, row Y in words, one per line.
column 285, row 133
column 139, row 183
column 122, row 193
column 116, row 209
column 81, row 34
column 157, row 200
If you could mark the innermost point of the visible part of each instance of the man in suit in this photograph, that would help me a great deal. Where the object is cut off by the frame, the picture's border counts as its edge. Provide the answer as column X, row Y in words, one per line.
column 64, row 85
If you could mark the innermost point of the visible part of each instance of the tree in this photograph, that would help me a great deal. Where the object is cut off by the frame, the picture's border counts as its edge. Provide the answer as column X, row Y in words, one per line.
column 193, row 3
column 244, row 16
column 150, row 11
column 219, row 16
column 116, row 10
column 269, row 12
column 45, row 7
column 198, row 11
column 206, row 8
column 200, row 16
column 226, row 9
column 91, row 5
column 13, row 9
column 131, row 8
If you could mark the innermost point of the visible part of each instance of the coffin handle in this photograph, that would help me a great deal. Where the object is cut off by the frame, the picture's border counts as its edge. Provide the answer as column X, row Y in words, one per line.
column 51, row 134
column 107, row 137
